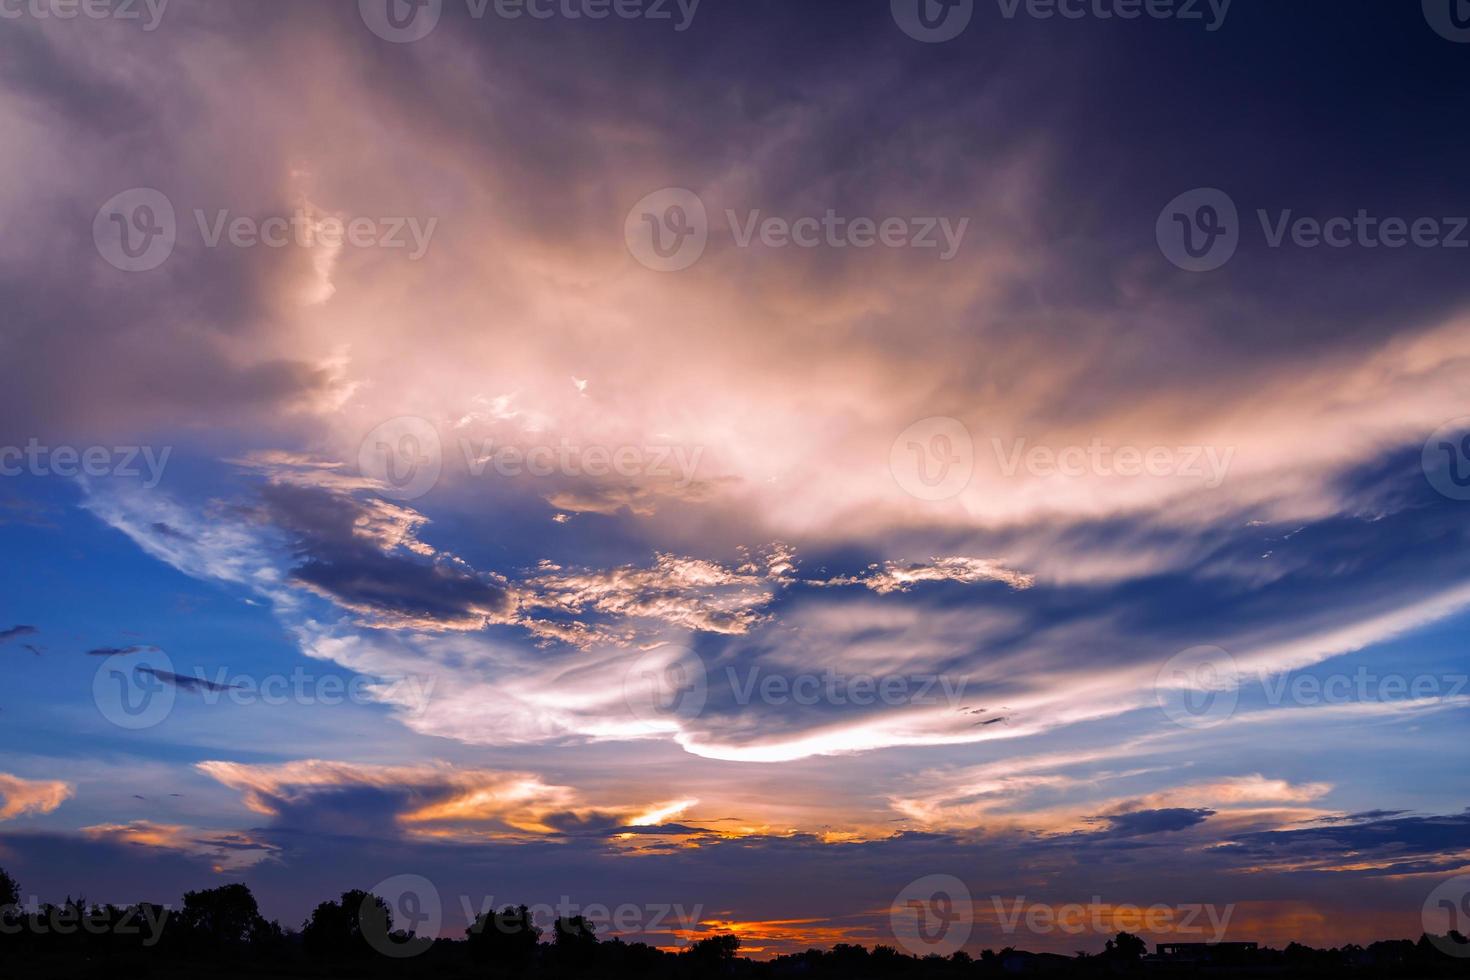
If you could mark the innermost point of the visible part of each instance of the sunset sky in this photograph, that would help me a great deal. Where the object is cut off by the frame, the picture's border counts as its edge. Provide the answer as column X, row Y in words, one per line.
column 484, row 489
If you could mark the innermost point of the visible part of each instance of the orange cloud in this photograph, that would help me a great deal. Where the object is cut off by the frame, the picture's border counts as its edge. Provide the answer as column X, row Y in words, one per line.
column 30, row 796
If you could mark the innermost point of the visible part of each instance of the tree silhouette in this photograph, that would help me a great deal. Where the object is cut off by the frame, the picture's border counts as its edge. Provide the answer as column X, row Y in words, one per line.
column 337, row 929
column 716, row 952
column 507, row 938
column 226, row 917
column 1127, row 948
column 9, row 891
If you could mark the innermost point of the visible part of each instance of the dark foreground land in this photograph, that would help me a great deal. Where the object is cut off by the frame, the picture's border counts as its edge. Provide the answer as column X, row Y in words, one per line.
column 219, row 933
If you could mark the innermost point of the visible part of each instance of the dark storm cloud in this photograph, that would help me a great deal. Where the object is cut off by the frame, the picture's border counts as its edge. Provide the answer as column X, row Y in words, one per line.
column 1164, row 821
column 119, row 651
column 1397, row 839
column 339, row 558
column 17, row 631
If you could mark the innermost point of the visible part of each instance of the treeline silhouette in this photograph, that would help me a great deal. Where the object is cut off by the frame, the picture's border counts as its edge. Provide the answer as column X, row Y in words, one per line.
column 219, row 932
